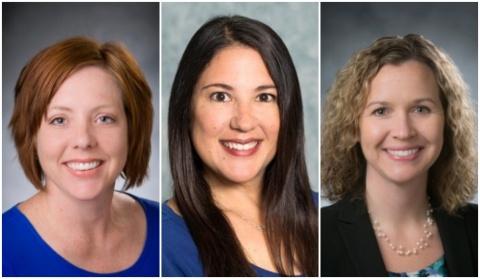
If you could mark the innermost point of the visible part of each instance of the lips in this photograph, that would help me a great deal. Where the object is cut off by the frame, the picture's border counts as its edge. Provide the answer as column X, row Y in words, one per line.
column 403, row 154
column 83, row 166
column 241, row 147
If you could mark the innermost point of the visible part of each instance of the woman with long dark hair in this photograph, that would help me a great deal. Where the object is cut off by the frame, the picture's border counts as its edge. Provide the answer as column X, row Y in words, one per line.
column 242, row 203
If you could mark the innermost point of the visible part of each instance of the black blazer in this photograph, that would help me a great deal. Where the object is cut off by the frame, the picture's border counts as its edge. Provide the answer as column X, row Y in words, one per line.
column 349, row 246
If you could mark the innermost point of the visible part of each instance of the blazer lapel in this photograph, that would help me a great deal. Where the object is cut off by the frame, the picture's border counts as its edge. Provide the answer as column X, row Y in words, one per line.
column 455, row 244
column 357, row 232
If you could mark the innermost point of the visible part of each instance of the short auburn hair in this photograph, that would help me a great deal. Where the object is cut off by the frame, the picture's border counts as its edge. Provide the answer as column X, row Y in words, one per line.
column 42, row 76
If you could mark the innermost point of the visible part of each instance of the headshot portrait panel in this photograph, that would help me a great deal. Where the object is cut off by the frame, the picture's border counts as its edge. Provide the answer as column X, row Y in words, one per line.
column 240, row 106
column 31, row 27
column 80, row 187
column 300, row 34
column 399, row 159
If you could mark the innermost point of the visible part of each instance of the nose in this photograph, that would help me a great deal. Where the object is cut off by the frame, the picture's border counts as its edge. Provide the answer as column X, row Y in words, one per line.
column 243, row 118
column 84, row 136
column 403, row 127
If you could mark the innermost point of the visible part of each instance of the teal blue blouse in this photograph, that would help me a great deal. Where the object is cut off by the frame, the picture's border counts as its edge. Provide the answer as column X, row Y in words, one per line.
column 436, row 269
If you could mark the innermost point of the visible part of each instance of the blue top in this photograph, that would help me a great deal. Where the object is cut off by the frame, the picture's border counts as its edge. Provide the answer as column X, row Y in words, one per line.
column 180, row 257
column 436, row 269
column 25, row 253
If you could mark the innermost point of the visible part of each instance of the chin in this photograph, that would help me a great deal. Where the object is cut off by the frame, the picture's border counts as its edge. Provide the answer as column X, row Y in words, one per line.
column 241, row 177
column 87, row 192
column 402, row 178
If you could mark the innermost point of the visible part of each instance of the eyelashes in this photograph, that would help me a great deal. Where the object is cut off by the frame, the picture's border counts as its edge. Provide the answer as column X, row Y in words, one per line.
column 266, row 97
column 103, row 119
column 223, row 97
column 385, row 111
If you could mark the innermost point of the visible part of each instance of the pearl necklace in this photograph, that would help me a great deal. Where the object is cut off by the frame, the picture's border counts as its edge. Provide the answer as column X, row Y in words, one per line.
column 420, row 245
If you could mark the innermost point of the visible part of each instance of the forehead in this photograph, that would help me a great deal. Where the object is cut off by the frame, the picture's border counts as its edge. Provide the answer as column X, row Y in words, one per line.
column 236, row 63
column 409, row 79
column 89, row 84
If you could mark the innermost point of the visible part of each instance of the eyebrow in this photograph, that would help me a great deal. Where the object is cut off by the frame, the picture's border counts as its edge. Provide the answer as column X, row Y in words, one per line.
column 60, row 108
column 416, row 101
column 228, row 87
column 68, row 109
column 221, row 85
column 265, row 87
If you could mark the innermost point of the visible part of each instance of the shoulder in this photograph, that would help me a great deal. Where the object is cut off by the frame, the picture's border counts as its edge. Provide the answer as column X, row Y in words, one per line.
column 149, row 207
column 19, row 240
column 174, row 228
column 337, row 209
column 11, row 216
column 468, row 215
column 345, row 213
column 152, row 208
column 469, row 211
column 179, row 252
column 13, row 223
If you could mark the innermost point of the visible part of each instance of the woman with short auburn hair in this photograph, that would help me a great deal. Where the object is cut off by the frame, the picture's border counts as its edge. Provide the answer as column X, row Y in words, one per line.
column 82, row 117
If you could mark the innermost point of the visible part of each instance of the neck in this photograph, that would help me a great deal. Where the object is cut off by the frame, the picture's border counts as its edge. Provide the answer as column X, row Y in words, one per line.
column 235, row 196
column 81, row 217
column 393, row 202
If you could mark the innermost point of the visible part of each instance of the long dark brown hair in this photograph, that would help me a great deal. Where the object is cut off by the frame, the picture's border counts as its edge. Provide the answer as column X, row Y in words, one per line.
column 287, row 206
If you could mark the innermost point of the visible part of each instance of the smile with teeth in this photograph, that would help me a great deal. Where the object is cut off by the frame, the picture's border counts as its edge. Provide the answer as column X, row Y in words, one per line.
column 83, row 166
column 240, row 146
column 403, row 153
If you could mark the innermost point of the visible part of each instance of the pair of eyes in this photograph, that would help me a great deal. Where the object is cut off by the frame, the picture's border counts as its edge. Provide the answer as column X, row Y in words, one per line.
column 61, row 121
column 224, row 97
column 384, row 111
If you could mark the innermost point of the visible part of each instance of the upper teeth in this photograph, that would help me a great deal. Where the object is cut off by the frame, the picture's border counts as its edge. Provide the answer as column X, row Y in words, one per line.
column 239, row 146
column 83, row 166
column 403, row 153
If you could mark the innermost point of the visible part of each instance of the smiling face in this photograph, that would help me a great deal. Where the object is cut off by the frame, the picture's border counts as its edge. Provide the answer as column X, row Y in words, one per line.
column 401, row 127
column 235, row 117
column 82, row 140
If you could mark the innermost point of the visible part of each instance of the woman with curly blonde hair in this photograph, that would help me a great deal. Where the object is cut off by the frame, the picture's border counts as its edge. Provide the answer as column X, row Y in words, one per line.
column 398, row 158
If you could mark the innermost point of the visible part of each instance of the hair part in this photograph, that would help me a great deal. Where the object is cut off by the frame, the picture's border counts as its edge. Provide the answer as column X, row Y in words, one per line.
column 42, row 76
column 288, row 209
column 452, row 178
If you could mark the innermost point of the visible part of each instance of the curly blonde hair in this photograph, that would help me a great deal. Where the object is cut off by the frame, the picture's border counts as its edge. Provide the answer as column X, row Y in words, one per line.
column 452, row 178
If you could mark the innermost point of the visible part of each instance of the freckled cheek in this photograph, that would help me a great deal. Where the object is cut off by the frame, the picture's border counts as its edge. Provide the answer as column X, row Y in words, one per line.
column 48, row 150
column 49, row 145
column 115, row 142
column 209, row 122
column 270, row 119
column 207, row 127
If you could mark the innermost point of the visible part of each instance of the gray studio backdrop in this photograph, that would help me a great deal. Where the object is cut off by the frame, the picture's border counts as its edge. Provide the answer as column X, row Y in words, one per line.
column 297, row 25
column 347, row 28
column 30, row 27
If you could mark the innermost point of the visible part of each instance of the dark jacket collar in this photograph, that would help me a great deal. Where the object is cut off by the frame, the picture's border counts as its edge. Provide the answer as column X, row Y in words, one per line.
column 357, row 232
column 456, row 246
